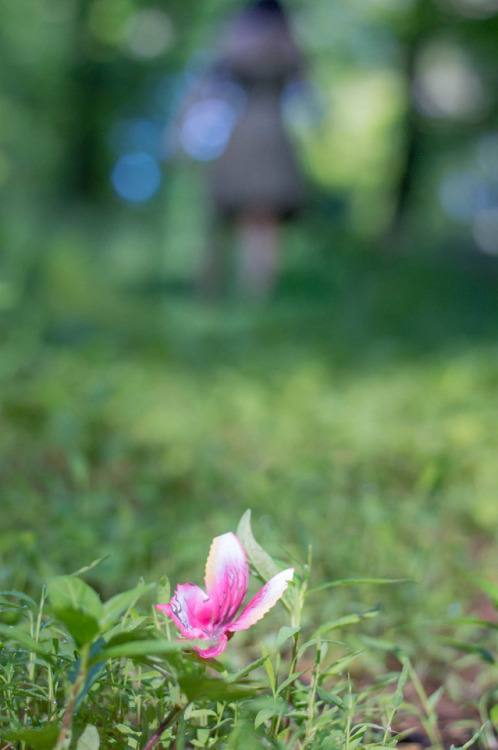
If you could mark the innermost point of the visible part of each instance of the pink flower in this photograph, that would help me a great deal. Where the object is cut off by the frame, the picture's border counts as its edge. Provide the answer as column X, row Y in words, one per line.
column 212, row 615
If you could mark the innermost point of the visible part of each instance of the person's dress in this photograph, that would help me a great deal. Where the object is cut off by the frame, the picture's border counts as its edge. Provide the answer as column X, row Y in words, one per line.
column 257, row 172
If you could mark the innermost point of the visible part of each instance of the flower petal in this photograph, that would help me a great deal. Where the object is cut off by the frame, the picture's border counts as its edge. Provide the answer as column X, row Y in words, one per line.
column 227, row 576
column 263, row 601
column 191, row 609
column 215, row 649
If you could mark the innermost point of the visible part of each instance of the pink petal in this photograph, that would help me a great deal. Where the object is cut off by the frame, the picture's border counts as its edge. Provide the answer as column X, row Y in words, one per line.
column 227, row 576
column 264, row 600
column 191, row 609
column 213, row 650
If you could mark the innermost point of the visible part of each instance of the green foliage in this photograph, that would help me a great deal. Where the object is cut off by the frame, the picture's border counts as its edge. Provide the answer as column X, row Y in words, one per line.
column 356, row 412
column 127, row 678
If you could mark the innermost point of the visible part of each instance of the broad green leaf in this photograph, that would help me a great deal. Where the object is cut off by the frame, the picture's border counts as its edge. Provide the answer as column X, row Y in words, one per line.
column 38, row 739
column 260, row 560
column 285, row 633
column 152, row 647
column 82, row 627
column 198, row 688
column 89, row 740
column 262, row 716
column 132, row 626
column 135, row 635
column 358, row 581
column 77, row 605
column 19, row 636
column 343, row 622
column 115, row 607
column 70, row 592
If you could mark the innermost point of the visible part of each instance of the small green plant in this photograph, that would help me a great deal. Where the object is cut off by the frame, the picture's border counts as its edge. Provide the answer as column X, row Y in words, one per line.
column 80, row 673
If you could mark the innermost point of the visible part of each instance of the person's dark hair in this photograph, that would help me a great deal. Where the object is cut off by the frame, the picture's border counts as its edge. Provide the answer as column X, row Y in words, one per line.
column 271, row 10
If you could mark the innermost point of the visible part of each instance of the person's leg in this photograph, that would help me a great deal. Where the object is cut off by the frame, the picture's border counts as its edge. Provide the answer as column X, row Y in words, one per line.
column 258, row 240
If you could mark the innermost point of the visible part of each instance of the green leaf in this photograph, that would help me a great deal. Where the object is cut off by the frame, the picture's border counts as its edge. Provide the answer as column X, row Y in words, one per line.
column 77, row 605
column 92, row 565
column 330, row 698
column 316, row 641
column 163, row 593
column 269, row 669
column 20, row 595
column 434, row 699
column 246, row 670
column 132, row 649
column 70, row 592
column 343, row 622
column 470, row 648
column 285, row 633
column 491, row 589
column 94, row 670
column 400, row 687
column 339, row 665
column 114, row 608
column 472, row 621
column 89, row 740
column 19, row 636
column 38, row 739
column 261, row 561
column 262, row 716
column 493, row 715
column 473, row 739
column 358, row 581
column 82, row 627
column 198, row 688
column 292, row 678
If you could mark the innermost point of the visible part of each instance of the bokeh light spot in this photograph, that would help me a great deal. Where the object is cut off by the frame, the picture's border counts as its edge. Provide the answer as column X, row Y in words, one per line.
column 136, row 177
column 149, row 34
column 446, row 84
column 485, row 231
column 136, row 134
column 463, row 194
column 207, row 128
column 107, row 19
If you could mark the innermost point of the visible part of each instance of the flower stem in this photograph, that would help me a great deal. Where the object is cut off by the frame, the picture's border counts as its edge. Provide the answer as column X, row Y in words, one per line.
column 64, row 737
column 154, row 738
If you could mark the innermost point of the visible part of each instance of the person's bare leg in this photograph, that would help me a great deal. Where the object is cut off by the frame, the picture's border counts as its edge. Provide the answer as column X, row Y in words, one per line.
column 258, row 239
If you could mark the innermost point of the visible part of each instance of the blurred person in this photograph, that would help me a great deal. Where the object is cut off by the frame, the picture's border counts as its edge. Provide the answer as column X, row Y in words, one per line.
column 255, row 184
